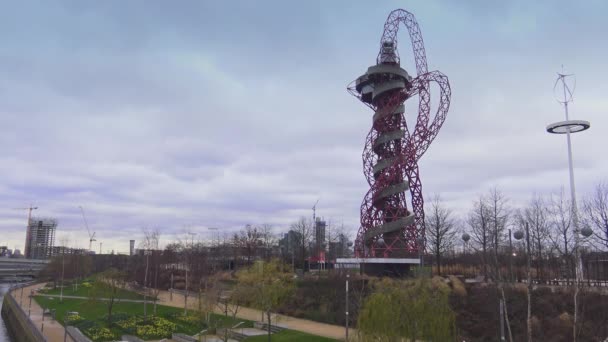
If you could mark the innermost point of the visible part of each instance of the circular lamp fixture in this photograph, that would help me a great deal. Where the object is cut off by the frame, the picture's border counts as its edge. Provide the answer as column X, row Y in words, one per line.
column 586, row 232
column 465, row 237
column 574, row 126
column 518, row 235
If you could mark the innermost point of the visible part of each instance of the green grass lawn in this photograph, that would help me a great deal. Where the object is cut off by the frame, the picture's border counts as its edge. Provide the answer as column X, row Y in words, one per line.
column 96, row 311
column 83, row 291
column 94, row 314
column 289, row 336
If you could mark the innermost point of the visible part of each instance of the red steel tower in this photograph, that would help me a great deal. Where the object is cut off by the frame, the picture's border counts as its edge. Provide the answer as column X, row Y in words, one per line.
column 389, row 229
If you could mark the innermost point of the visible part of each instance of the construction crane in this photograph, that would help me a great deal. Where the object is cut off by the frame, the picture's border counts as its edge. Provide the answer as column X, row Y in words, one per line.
column 29, row 215
column 314, row 211
column 26, row 252
column 91, row 236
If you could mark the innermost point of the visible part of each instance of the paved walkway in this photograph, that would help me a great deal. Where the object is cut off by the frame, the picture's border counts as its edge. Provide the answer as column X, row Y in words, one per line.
column 53, row 331
column 303, row 325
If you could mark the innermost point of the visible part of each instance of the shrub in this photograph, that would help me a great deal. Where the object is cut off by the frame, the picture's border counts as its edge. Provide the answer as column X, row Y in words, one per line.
column 117, row 317
column 73, row 319
column 416, row 310
column 155, row 327
column 100, row 334
column 458, row 287
column 189, row 319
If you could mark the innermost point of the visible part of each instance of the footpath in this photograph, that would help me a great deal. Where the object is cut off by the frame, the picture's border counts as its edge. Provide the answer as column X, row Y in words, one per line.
column 54, row 331
column 311, row 327
column 50, row 328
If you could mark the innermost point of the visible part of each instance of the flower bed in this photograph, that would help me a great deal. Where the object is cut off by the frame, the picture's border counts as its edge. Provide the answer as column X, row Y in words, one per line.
column 154, row 327
column 100, row 334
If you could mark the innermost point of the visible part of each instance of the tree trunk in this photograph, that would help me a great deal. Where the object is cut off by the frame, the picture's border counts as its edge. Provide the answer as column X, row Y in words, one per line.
column 502, row 292
column 529, row 317
column 438, row 255
column 110, row 305
column 485, row 263
column 269, row 332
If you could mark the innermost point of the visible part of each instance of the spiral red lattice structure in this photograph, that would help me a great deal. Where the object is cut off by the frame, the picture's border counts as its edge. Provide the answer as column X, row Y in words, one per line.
column 392, row 149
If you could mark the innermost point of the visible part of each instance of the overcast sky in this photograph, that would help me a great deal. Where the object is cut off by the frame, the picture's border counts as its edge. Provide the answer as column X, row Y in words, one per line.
column 184, row 115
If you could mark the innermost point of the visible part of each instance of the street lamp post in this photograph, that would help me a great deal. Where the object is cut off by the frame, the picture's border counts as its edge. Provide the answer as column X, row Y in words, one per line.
column 346, row 305
column 62, row 274
column 421, row 254
column 171, row 292
column 568, row 127
column 215, row 246
column 518, row 235
column 510, row 257
column 29, row 308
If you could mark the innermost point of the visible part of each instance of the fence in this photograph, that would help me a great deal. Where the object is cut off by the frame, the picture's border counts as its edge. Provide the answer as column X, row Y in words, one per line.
column 548, row 269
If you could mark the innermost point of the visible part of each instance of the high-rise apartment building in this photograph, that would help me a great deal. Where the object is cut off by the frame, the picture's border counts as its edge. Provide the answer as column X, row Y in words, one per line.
column 40, row 238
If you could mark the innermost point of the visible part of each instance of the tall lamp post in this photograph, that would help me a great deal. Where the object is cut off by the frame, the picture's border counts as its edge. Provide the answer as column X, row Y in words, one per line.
column 421, row 254
column 214, row 246
column 568, row 127
column 465, row 239
column 518, row 235
column 346, row 305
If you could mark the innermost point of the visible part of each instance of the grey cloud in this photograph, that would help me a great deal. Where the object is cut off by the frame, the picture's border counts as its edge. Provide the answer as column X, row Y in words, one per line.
column 206, row 114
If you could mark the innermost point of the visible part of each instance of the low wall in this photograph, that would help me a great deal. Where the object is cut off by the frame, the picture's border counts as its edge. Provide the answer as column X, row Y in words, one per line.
column 76, row 335
column 17, row 322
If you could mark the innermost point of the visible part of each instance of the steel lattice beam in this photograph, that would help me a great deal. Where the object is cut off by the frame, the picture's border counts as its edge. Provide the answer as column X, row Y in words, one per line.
column 392, row 149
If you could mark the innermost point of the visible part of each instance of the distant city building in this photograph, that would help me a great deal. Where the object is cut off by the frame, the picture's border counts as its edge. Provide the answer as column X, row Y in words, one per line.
column 320, row 226
column 17, row 253
column 63, row 250
column 131, row 247
column 339, row 248
column 290, row 242
column 40, row 238
column 4, row 251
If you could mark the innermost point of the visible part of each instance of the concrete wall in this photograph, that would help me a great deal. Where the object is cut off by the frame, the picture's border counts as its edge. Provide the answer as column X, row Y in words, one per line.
column 17, row 322
column 76, row 335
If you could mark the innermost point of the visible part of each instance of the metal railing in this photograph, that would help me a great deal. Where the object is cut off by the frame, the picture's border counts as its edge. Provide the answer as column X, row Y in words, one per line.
column 21, row 314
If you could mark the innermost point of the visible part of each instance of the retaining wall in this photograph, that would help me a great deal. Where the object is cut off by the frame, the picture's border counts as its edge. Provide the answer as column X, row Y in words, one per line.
column 17, row 322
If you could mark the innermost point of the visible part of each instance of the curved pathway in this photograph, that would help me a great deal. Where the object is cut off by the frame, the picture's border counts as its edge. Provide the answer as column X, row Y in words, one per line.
column 54, row 331
column 311, row 327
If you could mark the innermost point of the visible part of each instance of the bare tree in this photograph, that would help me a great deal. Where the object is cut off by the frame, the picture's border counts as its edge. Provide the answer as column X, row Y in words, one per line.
column 596, row 212
column 304, row 232
column 249, row 239
column 149, row 244
column 478, row 220
column 440, row 229
column 561, row 235
column 498, row 219
column 536, row 214
column 106, row 289
column 337, row 240
column 268, row 240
